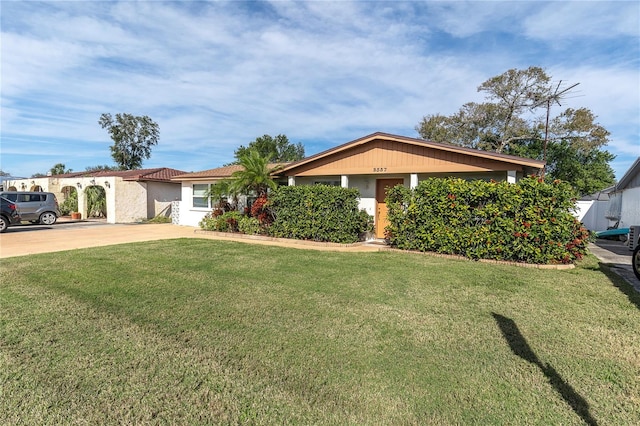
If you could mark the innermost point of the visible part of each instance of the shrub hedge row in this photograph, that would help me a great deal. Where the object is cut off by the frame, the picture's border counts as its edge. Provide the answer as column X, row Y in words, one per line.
column 530, row 221
column 318, row 213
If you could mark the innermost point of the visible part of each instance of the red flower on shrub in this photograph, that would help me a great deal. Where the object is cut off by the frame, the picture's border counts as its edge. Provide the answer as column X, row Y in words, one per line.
column 259, row 210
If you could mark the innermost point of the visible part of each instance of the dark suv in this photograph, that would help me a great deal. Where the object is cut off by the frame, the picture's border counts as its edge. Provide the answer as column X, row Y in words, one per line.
column 36, row 207
column 9, row 214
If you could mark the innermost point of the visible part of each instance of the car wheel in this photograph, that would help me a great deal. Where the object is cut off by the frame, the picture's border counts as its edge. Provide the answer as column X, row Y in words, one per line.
column 635, row 261
column 3, row 224
column 48, row 218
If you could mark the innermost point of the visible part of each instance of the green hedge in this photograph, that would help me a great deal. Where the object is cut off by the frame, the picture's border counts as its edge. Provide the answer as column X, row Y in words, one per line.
column 318, row 213
column 530, row 221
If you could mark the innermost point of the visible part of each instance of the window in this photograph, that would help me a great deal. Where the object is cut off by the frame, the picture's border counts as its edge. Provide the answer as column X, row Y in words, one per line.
column 201, row 195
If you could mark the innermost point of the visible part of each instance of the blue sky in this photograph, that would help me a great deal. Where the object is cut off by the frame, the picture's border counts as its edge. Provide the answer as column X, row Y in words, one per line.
column 216, row 75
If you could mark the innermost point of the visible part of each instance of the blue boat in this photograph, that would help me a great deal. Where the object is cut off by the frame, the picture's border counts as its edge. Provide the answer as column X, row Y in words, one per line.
column 612, row 232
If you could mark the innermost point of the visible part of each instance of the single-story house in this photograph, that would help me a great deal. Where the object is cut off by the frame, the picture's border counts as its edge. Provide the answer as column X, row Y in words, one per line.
column 623, row 209
column 131, row 195
column 370, row 164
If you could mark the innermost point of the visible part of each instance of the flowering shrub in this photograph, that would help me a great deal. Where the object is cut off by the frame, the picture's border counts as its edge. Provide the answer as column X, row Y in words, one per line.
column 530, row 221
column 225, row 222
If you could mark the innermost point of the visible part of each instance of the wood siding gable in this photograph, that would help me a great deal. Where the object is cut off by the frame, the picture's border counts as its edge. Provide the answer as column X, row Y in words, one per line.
column 390, row 157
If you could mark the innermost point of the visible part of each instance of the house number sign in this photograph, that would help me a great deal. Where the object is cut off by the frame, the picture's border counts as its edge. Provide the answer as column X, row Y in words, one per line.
column 379, row 169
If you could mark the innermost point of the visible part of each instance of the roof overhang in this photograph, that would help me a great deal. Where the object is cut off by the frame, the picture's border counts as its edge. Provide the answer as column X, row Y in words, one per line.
column 629, row 175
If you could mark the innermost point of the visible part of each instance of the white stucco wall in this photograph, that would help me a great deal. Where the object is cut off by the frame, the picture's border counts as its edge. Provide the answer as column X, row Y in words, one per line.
column 47, row 184
column 159, row 198
column 630, row 208
column 592, row 214
column 367, row 187
column 131, row 205
column 189, row 215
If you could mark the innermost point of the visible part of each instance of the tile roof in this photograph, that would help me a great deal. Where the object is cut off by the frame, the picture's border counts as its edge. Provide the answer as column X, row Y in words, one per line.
column 161, row 174
column 218, row 172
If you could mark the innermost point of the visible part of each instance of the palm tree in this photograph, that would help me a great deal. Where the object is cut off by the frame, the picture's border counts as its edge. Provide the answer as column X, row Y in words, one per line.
column 255, row 174
column 223, row 190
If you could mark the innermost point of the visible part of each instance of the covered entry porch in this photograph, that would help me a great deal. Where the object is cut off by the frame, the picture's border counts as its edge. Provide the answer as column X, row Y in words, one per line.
column 378, row 161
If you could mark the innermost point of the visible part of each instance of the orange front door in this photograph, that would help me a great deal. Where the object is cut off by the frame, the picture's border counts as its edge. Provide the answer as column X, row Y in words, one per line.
column 382, row 185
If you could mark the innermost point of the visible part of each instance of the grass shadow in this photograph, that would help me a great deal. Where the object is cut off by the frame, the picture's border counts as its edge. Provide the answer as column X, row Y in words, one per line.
column 621, row 284
column 520, row 347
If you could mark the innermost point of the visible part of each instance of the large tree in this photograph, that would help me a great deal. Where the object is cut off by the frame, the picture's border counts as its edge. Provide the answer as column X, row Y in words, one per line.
column 133, row 137
column 278, row 149
column 571, row 143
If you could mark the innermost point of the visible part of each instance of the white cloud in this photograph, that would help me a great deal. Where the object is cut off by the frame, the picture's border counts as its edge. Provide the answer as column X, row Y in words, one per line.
column 215, row 75
column 593, row 19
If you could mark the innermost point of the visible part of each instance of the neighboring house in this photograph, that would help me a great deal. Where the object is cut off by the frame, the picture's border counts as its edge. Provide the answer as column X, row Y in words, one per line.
column 195, row 202
column 131, row 195
column 623, row 209
column 591, row 210
column 370, row 164
column 6, row 179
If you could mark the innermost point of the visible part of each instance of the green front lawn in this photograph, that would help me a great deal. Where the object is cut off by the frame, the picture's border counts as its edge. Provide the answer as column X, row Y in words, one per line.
column 198, row 331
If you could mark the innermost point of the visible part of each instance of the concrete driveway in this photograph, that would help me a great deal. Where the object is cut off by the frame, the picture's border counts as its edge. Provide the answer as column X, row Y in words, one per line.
column 617, row 256
column 23, row 240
